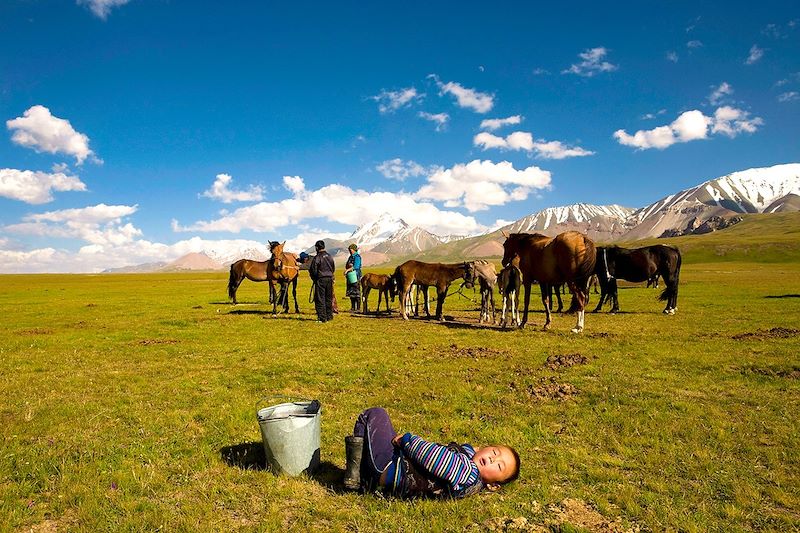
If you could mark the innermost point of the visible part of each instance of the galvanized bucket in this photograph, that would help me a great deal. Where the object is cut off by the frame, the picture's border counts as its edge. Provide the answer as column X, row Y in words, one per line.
column 291, row 435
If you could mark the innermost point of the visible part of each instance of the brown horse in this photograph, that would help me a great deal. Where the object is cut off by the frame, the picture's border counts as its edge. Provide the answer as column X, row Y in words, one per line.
column 487, row 280
column 568, row 258
column 246, row 269
column 385, row 285
column 438, row 275
column 285, row 270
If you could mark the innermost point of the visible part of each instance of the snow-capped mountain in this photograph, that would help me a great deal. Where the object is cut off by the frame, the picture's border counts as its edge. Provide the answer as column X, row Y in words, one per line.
column 378, row 231
column 755, row 190
column 600, row 222
column 408, row 240
column 226, row 257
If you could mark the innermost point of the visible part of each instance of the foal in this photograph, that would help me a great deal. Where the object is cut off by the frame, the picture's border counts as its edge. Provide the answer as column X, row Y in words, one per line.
column 386, row 286
column 509, row 283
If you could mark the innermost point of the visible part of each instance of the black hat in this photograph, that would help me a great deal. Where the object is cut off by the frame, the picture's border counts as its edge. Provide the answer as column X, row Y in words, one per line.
column 319, row 245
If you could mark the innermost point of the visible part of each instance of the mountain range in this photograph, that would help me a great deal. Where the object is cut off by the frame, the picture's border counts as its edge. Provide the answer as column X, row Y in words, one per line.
column 708, row 206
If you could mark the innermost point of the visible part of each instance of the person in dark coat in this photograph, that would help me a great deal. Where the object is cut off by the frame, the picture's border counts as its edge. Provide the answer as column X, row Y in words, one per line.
column 321, row 271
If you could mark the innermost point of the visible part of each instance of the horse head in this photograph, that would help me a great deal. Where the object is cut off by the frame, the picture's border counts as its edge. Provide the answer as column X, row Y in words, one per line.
column 510, row 249
column 469, row 274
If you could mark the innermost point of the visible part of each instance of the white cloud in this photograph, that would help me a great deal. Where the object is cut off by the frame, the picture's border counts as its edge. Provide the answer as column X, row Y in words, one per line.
column 220, row 191
column 497, row 123
column 731, row 122
column 672, row 56
column 466, row 98
column 755, row 54
column 789, row 96
column 35, row 187
column 480, row 184
column 40, row 130
column 650, row 116
column 690, row 126
column 720, row 93
column 592, row 63
column 694, row 44
column 540, row 71
column 397, row 169
column 391, row 101
column 102, row 8
column 522, row 140
column 99, row 224
column 336, row 203
column 440, row 119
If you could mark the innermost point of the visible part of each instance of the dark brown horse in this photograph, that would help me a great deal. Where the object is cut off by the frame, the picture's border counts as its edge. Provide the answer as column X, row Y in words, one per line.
column 568, row 258
column 638, row 264
column 385, row 285
column 437, row 275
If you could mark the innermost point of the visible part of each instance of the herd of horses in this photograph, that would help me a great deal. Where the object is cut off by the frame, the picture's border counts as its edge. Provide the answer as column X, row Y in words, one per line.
column 570, row 259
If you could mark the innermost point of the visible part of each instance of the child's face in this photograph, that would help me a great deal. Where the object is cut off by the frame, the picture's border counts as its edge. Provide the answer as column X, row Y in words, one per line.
column 495, row 463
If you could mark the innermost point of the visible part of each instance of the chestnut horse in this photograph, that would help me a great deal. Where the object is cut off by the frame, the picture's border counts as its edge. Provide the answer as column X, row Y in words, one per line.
column 285, row 270
column 567, row 258
column 439, row 275
column 385, row 285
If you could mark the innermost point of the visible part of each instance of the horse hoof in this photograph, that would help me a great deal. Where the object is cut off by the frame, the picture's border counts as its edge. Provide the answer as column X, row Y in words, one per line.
column 577, row 330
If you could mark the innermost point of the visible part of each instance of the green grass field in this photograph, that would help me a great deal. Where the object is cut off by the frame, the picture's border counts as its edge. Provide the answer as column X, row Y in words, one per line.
column 127, row 402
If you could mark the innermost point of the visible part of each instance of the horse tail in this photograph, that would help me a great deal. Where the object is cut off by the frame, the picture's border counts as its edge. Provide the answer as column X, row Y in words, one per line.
column 586, row 268
column 233, row 281
column 671, row 281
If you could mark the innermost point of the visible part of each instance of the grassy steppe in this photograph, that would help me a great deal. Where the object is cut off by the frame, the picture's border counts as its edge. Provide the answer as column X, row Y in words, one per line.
column 127, row 402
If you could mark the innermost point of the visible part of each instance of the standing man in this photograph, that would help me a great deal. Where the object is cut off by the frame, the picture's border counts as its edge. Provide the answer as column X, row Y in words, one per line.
column 321, row 271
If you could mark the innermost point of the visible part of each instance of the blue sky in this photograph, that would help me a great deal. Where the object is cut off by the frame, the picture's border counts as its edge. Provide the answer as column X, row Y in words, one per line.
column 138, row 131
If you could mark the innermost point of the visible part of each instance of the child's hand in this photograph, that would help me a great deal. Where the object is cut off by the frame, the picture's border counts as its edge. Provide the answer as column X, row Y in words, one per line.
column 396, row 440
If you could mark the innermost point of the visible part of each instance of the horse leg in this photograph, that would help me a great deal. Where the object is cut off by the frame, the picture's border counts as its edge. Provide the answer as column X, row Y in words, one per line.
column 365, row 296
column 558, row 297
column 294, row 294
column 526, row 304
column 580, row 297
column 406, row 292
column 503, row 322
column 440, row 296
column 546, row 301
column 614, row 296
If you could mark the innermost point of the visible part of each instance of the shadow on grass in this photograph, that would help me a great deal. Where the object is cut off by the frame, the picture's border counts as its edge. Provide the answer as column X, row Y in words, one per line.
column 782, row 296
column 251, row 456
column 247, row 456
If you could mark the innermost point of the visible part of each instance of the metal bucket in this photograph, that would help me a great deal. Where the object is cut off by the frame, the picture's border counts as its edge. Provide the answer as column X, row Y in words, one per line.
column 352, row 277
column 291, row 432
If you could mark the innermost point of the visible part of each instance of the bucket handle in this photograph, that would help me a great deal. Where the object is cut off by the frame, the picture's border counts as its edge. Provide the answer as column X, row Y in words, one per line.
column 287, row 399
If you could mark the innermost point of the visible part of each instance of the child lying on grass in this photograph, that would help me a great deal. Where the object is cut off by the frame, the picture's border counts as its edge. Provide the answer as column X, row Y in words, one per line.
column 407, row 466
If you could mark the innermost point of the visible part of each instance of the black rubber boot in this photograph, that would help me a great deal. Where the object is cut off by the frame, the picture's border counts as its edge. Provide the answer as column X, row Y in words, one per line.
column 353, row 447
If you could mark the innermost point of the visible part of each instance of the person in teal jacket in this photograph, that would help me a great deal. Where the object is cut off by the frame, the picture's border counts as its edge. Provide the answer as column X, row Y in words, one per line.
column 353, row 289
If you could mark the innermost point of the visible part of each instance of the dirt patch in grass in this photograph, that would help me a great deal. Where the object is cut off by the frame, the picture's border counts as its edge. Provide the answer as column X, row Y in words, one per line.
column 474, row 352
column 772, row 333
column 152, row 342
column 556, row 362
column 578, row 513
column 66, row 522
column 501, row 524
column 547, row 389
column 35, row 331
column 569, row 515
column 788, row 373
column 600, row 335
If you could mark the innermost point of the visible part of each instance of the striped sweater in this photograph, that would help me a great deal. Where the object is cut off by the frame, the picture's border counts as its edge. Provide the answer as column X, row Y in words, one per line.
column 454, row 468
